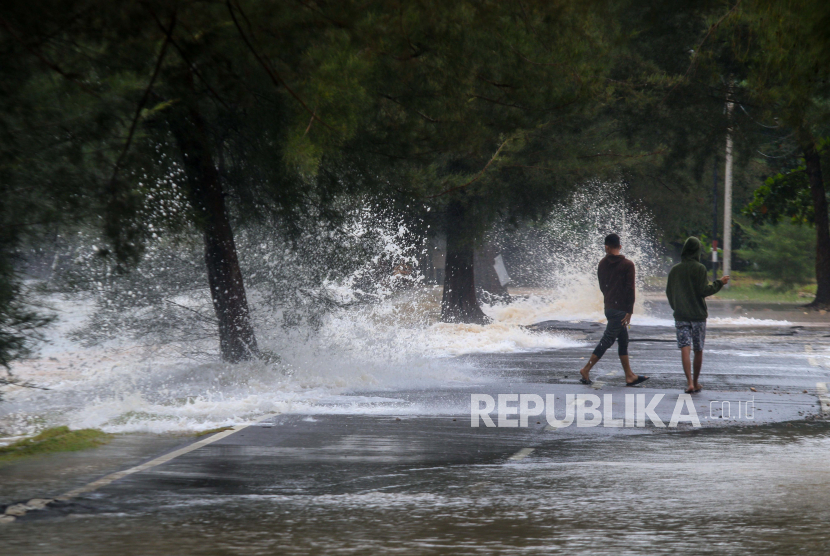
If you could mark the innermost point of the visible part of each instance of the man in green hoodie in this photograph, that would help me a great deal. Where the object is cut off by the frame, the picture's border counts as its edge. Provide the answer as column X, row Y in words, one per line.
column 686, row 289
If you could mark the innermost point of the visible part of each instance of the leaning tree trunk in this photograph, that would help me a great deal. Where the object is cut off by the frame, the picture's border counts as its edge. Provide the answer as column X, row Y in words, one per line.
column 227, row 290
column 459, row 303
column 813, row 163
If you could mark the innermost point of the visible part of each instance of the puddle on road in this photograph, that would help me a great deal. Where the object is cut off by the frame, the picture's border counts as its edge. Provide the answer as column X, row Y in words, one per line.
column 764, row 491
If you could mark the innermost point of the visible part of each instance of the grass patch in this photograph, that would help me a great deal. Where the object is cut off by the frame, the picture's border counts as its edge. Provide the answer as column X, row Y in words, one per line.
column 748, row 286
column 751, row 287
column 57, row 439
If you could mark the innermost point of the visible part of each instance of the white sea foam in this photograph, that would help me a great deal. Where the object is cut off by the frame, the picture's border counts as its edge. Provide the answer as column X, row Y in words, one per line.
column 586, row 305
column 499, row 337
column 392, row 345
column 746, row 321
column 130, row 388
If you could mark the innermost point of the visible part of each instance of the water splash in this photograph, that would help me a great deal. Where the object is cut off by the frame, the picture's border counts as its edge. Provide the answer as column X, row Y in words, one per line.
column 557, row 258
column 344, row 309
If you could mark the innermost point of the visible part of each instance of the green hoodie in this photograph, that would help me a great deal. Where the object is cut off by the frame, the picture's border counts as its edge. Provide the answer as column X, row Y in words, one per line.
column 688, row 286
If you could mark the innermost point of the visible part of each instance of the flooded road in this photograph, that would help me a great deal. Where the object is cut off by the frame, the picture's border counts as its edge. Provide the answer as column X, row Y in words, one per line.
column 401, row 471
column 720, row 492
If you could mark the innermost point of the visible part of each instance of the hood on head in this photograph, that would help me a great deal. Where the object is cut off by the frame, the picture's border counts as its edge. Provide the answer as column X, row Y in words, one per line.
column 691, row 250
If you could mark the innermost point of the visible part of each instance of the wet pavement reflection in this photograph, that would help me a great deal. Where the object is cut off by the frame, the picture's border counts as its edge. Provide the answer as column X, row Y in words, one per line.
column 760, row 491
column 428, row 483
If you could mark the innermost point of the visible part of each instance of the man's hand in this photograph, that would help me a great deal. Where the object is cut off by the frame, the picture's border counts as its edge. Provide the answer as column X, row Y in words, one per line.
column 724, row 279
column 626, row 319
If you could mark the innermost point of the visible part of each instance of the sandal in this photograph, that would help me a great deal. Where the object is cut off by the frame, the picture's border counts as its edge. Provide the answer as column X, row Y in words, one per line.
column 640, row 378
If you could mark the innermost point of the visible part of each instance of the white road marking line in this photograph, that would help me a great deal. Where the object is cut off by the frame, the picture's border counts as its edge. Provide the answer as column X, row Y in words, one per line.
column 811, row 360
column 521, row 454
column 823, row 397
column 17, row 510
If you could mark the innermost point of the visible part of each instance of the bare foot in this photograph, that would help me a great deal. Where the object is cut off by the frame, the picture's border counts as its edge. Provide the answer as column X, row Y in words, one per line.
column 585, row 373
column 698, row 387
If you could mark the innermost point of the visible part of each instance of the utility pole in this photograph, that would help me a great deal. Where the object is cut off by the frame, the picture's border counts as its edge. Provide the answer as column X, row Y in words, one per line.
column 727, row 193
column 715, row 221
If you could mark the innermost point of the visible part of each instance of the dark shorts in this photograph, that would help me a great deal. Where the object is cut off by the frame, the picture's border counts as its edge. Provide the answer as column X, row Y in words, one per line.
column 690, row 333
column 614, row 330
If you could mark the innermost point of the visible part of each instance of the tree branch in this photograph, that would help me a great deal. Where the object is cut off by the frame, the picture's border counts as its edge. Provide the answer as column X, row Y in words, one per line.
column 187, row 61
column 421, row 114
column 477, row 176
column 202, row 317
column 318, row 11
column 143, row 101
column 51, row 65
column 272, row 73
column 622, row 155
column 570, row 69
column 494, row 101
column 693, row 63
column 661, row 182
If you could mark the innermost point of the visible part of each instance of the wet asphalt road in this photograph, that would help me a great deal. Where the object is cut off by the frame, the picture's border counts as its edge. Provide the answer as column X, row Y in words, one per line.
column 426, row 482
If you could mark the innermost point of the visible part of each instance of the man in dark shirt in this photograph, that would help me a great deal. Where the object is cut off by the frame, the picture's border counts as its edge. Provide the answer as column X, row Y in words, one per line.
column 616, row 281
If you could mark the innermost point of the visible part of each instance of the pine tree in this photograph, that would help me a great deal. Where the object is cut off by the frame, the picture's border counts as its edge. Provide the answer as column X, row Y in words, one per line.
column 489, row 111
column 244, row 97
column 785, row 52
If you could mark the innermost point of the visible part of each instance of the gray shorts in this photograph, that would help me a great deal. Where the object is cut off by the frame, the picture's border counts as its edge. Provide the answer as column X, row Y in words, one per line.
column 690, row 333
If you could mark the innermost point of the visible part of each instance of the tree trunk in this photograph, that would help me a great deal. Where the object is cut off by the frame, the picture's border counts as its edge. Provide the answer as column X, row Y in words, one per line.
column 813, row 163
column 459, row 302
column 227, row 290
